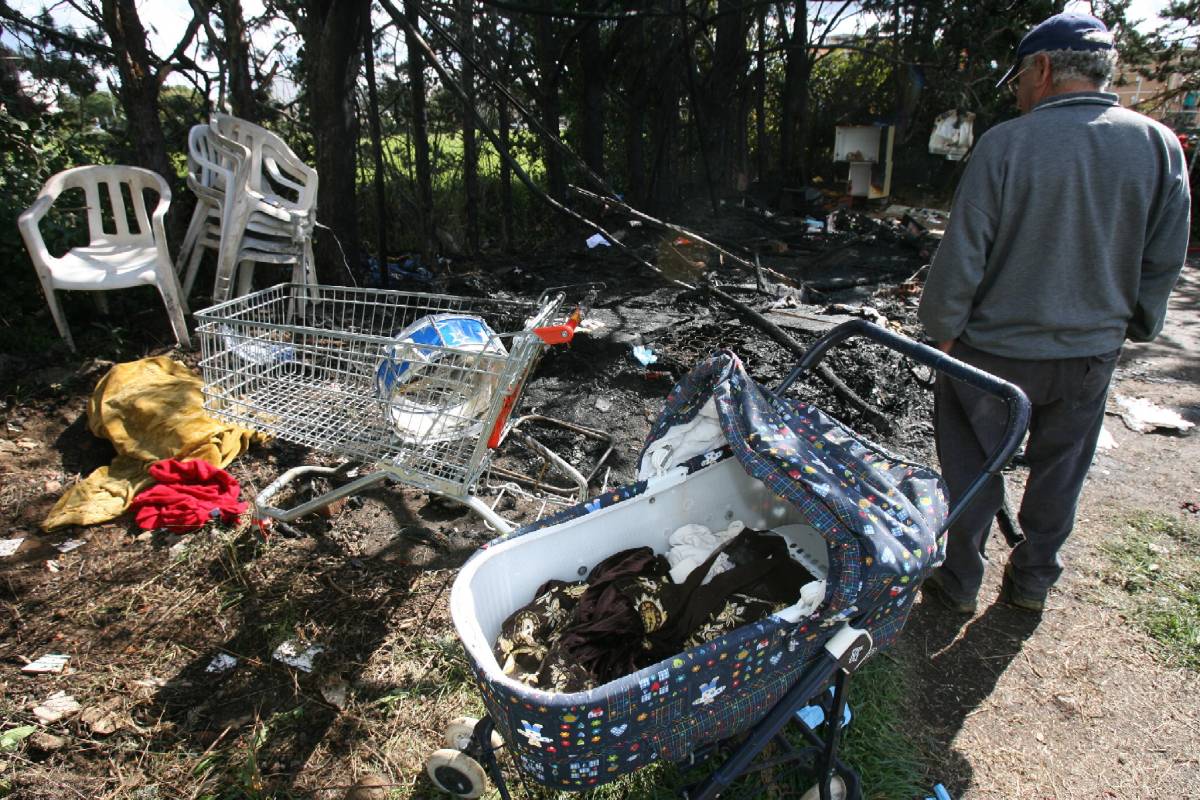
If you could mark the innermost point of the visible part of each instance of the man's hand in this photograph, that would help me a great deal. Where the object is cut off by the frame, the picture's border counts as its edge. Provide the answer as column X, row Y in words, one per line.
column 946, row 346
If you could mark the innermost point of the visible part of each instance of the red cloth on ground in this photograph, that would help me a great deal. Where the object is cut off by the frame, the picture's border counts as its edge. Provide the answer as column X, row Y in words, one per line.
column 188, row 494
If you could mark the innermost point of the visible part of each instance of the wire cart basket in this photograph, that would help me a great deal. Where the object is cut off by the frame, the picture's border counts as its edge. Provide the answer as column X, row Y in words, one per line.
column 422, row 386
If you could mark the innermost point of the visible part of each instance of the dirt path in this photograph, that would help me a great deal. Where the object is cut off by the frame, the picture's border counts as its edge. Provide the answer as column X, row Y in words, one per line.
column 1078, row 704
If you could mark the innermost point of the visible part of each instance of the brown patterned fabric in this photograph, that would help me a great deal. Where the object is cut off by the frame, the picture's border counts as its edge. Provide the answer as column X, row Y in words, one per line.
column 629, row 614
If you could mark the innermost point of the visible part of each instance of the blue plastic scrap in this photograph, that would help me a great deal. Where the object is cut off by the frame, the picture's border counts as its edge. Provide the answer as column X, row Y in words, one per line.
column 409, row 269
column 939, row 793
column 813, row 714
column 644, row 355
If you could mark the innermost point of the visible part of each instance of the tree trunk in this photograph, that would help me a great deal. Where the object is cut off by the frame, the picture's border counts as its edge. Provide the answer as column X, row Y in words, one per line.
column 333, row 41
column 470, row 148
column 237, row 61
column 635, row 151
column 506, row 195
column 549, row 101
column 420, row 136
column 139, row 85
column 760, row 97
column 663, row 181
column 803, row 123
column 593, row 73
column 699, row 119
column 725, row 99
column 795, row 88
column 502, row 122
column 636, row 97
column 381, row 216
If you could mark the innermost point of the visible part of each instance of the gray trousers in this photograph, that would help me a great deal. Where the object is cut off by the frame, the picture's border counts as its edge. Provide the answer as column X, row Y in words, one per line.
column 1068, row 397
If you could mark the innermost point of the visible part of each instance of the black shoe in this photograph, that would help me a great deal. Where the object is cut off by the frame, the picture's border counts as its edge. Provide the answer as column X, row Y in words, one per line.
column 935, row 585
column 1010, row 594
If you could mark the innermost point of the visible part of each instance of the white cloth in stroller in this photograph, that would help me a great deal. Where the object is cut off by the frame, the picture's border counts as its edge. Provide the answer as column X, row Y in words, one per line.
column 692, row 544
column 687, row 440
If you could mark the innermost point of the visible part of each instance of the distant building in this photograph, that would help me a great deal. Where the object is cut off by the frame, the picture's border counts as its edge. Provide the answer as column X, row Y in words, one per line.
column 1162, row 100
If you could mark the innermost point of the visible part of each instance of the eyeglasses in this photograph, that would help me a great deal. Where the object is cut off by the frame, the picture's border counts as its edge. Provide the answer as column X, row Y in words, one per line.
column 1012, row 82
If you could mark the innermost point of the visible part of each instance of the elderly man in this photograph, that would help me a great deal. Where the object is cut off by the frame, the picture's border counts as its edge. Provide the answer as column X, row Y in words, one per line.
column 1068, row 231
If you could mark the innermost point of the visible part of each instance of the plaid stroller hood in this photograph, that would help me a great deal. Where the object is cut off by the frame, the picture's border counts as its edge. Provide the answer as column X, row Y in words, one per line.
column 881, row 516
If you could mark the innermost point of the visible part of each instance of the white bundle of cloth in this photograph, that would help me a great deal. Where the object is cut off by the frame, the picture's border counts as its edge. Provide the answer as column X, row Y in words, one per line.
column 699, row 435
column 692, row 544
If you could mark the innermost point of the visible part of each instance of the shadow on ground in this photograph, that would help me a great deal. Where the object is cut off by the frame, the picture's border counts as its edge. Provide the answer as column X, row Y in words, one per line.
column 958, row 665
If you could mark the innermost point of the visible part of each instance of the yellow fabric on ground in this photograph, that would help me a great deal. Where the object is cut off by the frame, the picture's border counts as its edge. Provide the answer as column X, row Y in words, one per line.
column 150, row 410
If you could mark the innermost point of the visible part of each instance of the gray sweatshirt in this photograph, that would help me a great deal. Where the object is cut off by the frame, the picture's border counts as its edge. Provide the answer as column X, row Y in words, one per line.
column 1067, row 234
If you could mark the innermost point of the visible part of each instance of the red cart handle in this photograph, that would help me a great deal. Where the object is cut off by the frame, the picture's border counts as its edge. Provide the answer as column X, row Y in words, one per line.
column 560, row 334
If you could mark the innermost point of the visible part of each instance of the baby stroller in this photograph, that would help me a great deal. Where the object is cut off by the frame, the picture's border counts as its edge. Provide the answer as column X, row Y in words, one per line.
column 867, row 525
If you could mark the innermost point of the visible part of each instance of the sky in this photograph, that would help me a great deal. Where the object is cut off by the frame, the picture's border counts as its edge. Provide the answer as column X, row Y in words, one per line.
column 166, row 21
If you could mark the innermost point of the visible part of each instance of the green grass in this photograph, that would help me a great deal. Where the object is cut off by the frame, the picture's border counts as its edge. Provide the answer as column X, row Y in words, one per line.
column 1157, row 560
column 446, row 152
column 888, row 760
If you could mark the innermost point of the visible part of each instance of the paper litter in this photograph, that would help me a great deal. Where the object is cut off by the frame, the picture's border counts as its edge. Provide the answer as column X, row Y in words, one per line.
column 644, row 355
column 222, row 662
column 51, row 662
column 1143, row 416
column 294, row 654
column 55, row 707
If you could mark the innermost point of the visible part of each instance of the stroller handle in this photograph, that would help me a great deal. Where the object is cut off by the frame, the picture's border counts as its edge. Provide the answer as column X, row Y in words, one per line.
column 1014, row 399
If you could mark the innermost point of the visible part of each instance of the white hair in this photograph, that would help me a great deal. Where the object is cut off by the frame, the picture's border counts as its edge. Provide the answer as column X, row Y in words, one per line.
column 1090, row 66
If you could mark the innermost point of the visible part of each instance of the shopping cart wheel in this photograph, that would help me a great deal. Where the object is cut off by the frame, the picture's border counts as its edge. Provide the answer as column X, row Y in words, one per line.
column 456, row 772
column 460, row 730
column 837, row 790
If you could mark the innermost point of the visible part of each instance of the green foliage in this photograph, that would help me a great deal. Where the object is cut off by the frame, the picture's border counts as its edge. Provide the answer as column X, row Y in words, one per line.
column 446, row 150
column 31, row 150
column 11, row 739
column 1158, row 565
column 98, row 109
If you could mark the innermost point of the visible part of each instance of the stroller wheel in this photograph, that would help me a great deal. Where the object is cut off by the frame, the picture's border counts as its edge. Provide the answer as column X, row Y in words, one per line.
column 460, row 730
column 456, row 773
column 837, row 790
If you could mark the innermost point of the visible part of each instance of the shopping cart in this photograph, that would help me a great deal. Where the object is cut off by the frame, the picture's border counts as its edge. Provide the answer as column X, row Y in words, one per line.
column 868, row 524
column 420, row 387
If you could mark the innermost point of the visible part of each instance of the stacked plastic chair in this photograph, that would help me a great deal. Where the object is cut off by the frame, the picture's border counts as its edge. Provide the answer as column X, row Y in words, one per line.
column 255, row 204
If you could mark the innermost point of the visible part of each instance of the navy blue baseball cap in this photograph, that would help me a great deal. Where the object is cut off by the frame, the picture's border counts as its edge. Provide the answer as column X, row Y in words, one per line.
column 1062, row 32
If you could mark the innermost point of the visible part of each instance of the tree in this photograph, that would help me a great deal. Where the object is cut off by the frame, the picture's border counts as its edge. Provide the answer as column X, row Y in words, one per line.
column 332, row 31
column 141, row 73
column 1169, row 53
column 420, row 130
column 470, row 148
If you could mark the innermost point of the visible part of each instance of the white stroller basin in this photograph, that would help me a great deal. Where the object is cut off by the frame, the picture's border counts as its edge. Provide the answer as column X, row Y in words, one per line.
column 502, row 578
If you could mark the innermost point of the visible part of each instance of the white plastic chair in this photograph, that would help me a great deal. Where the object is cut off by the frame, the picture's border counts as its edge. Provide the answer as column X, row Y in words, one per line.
column 227, row 222
column 252, row 250
column 278, row 180
column 113, row 259
column 256, row 204
column 214, row 166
